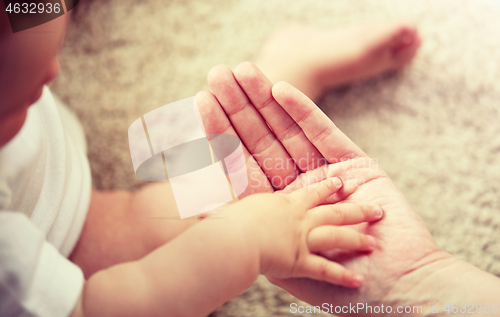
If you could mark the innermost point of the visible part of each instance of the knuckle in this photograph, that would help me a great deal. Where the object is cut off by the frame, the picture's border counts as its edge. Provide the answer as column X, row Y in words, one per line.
column 315, row 192
column 283, row 200
column 338, row 215
column 263, row 143
column 268, row 102
column 237, row 107
column 290, row 131
column 333, row 235
column 323, row 270
column 324, row 133
column 306, row 115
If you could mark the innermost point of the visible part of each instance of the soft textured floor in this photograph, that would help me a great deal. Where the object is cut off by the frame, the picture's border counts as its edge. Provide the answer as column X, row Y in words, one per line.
column 435, row 128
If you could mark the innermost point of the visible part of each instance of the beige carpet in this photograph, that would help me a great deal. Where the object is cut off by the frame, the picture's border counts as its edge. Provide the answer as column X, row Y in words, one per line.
column 434, row 128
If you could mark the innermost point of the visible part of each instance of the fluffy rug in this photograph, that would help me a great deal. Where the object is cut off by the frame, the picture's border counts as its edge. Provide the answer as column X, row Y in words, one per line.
column 435, row 128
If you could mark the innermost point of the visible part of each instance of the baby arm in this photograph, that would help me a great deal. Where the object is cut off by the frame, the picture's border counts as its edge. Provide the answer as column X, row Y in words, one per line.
column 273, row 234
column 122, row 226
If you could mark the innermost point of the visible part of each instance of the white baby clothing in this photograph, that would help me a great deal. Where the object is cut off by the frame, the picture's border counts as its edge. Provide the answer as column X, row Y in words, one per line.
column 45, row 187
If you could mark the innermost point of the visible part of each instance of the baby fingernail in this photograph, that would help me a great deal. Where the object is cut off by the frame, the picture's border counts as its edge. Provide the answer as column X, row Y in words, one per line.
column 377, row 211
column 337, row 182
column 357, row 281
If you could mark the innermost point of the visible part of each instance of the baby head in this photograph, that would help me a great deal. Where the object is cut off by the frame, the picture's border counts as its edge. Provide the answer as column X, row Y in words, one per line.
column 27, row 62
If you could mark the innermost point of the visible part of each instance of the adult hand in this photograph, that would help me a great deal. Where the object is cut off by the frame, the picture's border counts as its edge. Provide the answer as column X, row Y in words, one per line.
column 280, row 124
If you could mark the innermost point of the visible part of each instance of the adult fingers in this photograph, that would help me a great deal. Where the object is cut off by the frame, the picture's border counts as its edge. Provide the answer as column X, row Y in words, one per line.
column 258, row 89
column 252, row 128
column 334, row 145
column 215, row 122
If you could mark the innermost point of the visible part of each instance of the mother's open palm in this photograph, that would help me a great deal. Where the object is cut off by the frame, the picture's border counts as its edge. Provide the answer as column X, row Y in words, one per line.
column 278, row 123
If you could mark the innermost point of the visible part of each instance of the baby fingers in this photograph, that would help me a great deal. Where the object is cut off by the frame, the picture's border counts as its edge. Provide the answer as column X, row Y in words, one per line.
column 344, row 214
column 325, row 238
column 316, row 193
column 321, row 269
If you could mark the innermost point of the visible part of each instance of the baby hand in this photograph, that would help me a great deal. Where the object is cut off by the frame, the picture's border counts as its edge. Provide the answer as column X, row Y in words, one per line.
column 290, row 232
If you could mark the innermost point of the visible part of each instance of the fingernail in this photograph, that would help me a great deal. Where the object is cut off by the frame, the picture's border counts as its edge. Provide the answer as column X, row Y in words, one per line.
column 377, row 211
column 357, row 281
column 337, row 182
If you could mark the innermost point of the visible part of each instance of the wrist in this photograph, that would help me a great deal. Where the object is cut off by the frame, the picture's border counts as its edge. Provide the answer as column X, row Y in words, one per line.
column 245, row 219
column 440, row 280
column 245, row 226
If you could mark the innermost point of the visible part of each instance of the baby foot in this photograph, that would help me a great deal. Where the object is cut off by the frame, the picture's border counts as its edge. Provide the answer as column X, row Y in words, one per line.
column 315, row 60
